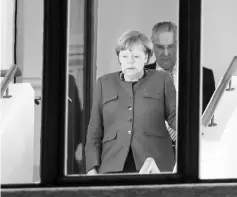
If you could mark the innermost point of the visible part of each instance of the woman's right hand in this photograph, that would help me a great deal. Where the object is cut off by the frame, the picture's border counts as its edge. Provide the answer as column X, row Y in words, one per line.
column 93, row 171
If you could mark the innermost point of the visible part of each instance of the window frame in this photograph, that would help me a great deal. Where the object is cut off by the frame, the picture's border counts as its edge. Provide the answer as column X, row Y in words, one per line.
column 54, row 100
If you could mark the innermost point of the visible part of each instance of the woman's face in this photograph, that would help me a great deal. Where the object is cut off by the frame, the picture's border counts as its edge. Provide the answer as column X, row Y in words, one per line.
column 133, row 60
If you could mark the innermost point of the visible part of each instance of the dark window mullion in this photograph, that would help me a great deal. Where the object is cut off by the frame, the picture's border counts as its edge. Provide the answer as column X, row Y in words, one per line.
column 189, row 91
column 54, row 91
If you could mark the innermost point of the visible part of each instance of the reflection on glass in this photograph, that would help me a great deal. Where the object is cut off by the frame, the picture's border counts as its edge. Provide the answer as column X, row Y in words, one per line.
column 126, row 134
column 217, row 134
column 75, row 130
column 218, row 143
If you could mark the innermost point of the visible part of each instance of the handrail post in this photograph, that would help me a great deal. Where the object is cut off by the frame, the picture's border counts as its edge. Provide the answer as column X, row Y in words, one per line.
column 229, row 86
column 7, row 95
column 212, row 123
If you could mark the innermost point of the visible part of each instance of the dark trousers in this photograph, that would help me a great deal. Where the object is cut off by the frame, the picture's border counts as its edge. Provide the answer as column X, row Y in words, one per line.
column 129, row 166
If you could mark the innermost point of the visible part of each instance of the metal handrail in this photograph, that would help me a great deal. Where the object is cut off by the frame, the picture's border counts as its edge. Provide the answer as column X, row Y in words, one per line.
column 8, row 78
column 210, row 109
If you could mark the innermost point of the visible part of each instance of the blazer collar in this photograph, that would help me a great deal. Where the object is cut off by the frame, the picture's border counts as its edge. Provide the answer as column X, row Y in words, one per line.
column 121, row 75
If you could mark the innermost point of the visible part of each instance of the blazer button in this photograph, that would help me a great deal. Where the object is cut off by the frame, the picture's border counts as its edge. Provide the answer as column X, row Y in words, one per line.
column 130, row 108
column 130, row 120
column 129, row 132
column 130, row 97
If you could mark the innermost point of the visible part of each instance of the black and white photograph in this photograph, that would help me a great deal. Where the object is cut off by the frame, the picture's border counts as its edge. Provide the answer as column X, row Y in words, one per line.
column 118, row 98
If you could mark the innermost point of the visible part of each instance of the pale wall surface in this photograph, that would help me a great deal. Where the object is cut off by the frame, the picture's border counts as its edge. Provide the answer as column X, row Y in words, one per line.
column 30, row 23
column 219, row 35
column 17, row 137
column 116, row 17
column 7, row 32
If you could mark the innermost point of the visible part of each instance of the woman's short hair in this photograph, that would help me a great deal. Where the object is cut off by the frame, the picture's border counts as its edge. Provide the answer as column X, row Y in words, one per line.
column 129, row 38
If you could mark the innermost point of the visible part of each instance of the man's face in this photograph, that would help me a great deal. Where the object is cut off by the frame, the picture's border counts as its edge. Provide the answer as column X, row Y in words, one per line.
column 165, row 49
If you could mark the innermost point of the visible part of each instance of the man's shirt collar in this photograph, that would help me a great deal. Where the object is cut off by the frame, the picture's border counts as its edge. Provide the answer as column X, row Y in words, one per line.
column 159, row 68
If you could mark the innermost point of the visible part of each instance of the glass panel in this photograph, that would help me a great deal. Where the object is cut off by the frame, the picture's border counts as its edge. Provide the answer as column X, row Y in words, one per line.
column 116, row 120
column 217, row 140
column 21, row 111
column 74, row 139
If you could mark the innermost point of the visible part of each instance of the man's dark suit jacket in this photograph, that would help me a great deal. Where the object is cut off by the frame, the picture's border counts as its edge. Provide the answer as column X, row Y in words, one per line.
column 126, row 115
column 208, row 84
column 74, row 125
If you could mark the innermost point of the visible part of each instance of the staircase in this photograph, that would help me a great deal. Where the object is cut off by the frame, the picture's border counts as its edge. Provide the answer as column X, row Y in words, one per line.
column 17, row 134
column 218, row 146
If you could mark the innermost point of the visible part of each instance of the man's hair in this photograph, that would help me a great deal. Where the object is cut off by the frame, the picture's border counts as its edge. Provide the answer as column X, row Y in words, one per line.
column 164, row 26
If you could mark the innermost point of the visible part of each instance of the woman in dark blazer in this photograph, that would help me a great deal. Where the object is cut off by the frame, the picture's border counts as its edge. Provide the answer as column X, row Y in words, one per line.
column 127, row 123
